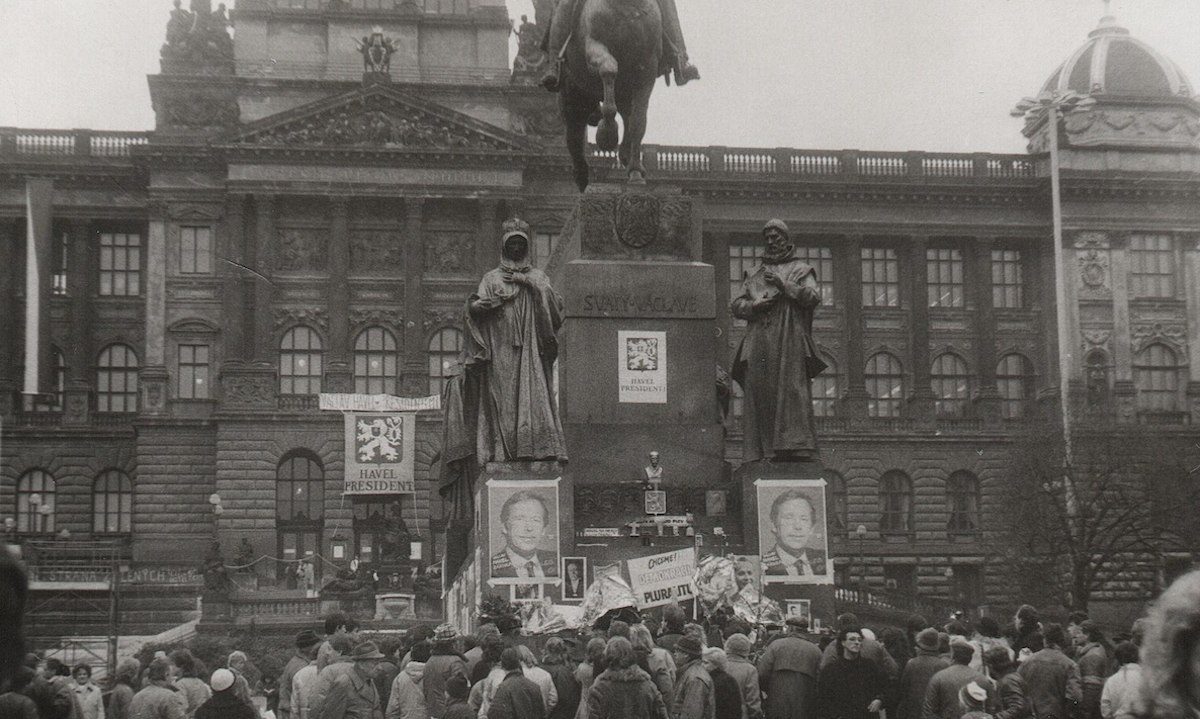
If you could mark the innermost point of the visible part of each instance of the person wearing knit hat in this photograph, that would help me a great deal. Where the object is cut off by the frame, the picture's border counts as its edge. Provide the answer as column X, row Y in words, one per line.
column 972, row 698
column 224, row 702
column 942, row 696
column 307, row 644
column 738, row 666
column 693, row 697
column 788, row 670
column 444, row 663
column 918, row 671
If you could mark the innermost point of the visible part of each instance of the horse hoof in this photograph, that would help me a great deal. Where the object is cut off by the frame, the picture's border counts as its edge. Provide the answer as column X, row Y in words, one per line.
column 582, row 176
column 606, row 135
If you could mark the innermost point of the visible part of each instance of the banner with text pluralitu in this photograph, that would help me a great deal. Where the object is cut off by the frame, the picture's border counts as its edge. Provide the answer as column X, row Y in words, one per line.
column 663, row 578
column 380, row 451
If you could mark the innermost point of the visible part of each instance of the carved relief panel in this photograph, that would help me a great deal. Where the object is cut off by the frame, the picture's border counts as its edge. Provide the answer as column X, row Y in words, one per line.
column 1093, row 271
column 449, row 252
column 376, row 252
column 301, row 250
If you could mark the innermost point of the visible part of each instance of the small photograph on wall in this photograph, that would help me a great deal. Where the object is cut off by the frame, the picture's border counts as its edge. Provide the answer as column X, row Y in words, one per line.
column 523, row 531
column 800, row 608
column 792, row 531
column 574, row 574
column 716, row 503
column 522, row 593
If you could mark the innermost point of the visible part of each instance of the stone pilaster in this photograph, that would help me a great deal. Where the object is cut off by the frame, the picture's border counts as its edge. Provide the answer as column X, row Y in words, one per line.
column 487, row 241
column 156, row 287
column 1190, row 244
column 1048, row 391
column 236, row 283
column 415, row 375
column 987, row 398
column 339, row 375
column 9, row 339
column 81, row 286
column 263, row 248
column 849, row 265
column 1122, row 340
column 921, row 398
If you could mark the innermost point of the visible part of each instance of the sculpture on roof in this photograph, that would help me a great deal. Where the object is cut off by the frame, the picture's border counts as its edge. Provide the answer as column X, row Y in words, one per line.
column 198, row 40
column 377, row 52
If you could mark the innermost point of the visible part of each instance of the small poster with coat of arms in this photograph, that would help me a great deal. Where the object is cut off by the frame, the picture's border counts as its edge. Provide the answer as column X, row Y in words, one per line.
column 642, row 367
column 380, row 451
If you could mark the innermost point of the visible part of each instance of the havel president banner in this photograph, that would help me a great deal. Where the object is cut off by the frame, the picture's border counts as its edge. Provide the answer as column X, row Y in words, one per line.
column 380, row 451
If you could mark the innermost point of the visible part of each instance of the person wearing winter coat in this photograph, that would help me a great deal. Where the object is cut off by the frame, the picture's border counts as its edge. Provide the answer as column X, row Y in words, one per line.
column 1094, row 667
column 194, row 689
column 852, row 686
column 87, row 695
column 738, row 666
column 587, row 671
column 14, row 704
column 352, row 694
column 407, row 697
column 788, row 671
column 987, row 636
column 1121, row 697
column 693, row 696
column 1010, row 701
column 1052, row 681
column 122, row 688
column 653, row 659
column 158, row 699
column 942, row 694
column 516, row 697
column 871, row 649
column 224, row 702
column 918, row 671
column 307, row 644
column 727, row 694
column 444, row 663
column 555, row 662
column 539, row 676
column 457, row 707
column 623, row 690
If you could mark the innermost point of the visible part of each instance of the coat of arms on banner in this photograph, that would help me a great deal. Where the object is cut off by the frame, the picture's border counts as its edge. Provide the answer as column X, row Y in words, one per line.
column 380, row 439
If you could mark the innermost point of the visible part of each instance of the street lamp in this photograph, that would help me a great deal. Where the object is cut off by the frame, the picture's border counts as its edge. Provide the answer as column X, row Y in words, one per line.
column 1053, row 106
column 861, row 533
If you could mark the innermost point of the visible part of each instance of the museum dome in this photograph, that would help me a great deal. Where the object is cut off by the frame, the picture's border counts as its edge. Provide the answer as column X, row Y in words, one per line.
column 1114, row 63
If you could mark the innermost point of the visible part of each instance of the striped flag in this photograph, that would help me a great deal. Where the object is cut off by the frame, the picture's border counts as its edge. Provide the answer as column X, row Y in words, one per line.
column 39, row 213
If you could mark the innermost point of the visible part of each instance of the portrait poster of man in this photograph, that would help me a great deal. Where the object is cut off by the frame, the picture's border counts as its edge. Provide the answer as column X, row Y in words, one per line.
column 519, row 593
column 523, row 531
column 792, row 531
column 574, row 573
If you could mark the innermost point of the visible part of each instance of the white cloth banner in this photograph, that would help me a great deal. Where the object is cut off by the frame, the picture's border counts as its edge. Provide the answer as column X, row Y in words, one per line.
column 663, row 578
column 379, row 403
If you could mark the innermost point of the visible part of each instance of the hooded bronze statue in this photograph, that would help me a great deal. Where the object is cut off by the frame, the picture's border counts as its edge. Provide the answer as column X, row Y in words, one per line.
column 777, row 359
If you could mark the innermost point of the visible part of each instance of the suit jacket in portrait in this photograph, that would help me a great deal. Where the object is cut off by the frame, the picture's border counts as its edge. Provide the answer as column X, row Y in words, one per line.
column 774, row 567
column 502, row 566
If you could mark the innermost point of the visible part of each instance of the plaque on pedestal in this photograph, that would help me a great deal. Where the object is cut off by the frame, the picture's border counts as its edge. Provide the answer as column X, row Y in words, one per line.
column 656, row 501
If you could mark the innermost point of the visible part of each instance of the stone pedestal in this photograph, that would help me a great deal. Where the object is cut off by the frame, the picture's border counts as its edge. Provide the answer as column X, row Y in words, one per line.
column 757, row 500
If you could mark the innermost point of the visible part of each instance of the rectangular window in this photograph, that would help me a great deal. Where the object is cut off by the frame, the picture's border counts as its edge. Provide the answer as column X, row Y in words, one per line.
column 193, row 372
column 543, row 246
column 742, row 261
column 821, row 260
column 1151, row 266
column 195, row 251
column 944, row 277
column 120, row 264
column 880, row 277
column 1008, row 284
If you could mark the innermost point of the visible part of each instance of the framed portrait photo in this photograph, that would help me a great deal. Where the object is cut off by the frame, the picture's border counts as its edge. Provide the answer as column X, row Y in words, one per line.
column 523, row 593
column 523, row 532
column 792, row 532
column 574, row 578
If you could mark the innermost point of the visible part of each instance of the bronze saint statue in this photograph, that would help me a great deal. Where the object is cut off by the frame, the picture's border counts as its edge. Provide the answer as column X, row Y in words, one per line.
column 509, row 350
column 777, row 359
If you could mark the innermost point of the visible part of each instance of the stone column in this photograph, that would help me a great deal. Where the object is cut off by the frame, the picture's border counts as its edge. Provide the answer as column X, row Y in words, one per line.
column 153, row 375
column 80, row 357
column 487, row 242
column 231, row 237
column 415, row 375
column 1191, row 287
column 262, row 248
column 1122, row 340
column 849, row 268
column 987, row 396
column 921, row 401
column 339, row 376
column 10, row 341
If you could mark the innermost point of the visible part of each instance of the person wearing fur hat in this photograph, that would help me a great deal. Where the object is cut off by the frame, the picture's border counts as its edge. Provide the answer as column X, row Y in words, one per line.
column 941, row 697
column 444, row 663
column 1010, row 685
column 914, row 680
column 224, row 702
column 693, row 696
column 788, row 671
column 739, row 666
column 778, row 358
column 973, row 699
column 307, row 643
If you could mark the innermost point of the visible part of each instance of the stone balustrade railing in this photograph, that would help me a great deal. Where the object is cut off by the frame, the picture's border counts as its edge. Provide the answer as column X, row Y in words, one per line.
column 16, row 142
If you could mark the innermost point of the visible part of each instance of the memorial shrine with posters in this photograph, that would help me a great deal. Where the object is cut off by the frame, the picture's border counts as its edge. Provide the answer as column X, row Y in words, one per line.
column 250, row 320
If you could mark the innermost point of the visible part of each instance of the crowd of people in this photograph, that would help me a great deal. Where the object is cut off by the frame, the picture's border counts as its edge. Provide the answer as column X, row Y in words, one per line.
column 670, row 668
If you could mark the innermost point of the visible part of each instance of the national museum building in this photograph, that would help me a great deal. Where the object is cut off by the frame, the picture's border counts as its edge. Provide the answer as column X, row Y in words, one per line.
column 304, row 219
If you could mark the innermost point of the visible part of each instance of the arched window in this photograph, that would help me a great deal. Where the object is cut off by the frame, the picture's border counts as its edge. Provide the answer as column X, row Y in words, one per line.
column 112, row 503
column 300, row 361
column 376, row 362
column 443, row 354
column 117, row 379
column 962, row 499
column 54, row 402
column 35, row 502
column 885, row 385
column 1014, row 382
column 951, row 385
column 825, row 390
column 299, row 486
column 838, row 508
column 895, row 502
column 1156, row 375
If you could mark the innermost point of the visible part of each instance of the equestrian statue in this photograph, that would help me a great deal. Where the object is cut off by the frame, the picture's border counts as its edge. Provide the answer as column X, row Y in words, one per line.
column 605, row 58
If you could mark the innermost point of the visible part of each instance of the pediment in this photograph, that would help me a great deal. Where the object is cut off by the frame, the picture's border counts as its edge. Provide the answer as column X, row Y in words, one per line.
column 379, row 118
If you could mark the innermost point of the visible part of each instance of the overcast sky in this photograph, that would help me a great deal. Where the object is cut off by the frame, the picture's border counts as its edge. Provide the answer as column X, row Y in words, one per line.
column 936, row 75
